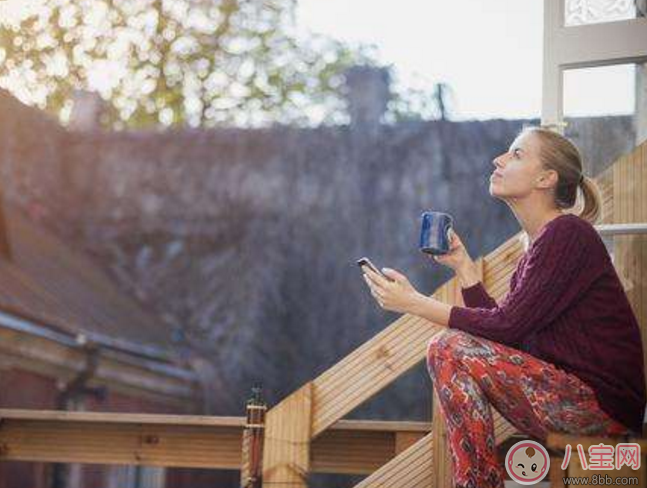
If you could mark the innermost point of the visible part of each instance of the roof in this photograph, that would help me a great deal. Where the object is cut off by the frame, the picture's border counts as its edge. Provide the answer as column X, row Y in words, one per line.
column 50, row 283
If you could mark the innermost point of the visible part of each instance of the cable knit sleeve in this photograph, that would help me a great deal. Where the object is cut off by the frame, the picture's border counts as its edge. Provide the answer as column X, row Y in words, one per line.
column 557, row 270
column 476, row 296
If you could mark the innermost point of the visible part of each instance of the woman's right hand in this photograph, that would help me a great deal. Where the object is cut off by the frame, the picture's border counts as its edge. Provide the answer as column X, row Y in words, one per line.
column 457, row 257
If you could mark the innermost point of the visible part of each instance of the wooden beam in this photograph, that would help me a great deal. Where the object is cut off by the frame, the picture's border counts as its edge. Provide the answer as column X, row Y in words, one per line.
column 415, row 467
column 286, row 451
column 82, row 418
column 369, row 369
column 362, row 446
column 193, row 446
column 117, row 438
column 442, row 462
column 348, row 446
column 353, row 452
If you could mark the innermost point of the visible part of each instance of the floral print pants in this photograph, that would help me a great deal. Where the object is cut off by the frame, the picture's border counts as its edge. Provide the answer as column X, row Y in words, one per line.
column 471, row 374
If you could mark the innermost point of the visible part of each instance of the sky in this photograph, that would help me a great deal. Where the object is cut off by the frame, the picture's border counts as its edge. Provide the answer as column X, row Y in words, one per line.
column 488, row 51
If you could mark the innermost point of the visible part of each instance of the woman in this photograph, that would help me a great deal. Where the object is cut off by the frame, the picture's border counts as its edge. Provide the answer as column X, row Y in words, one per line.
column 562, row 351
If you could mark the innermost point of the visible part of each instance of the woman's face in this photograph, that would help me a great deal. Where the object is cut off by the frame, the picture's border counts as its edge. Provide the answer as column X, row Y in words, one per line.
column 519, row 171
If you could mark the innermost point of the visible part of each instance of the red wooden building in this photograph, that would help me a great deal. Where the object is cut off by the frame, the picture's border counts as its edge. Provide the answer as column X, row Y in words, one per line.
column 71, row 340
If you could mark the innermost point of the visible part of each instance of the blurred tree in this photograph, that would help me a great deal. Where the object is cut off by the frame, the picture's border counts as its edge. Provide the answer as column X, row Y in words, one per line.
column 422, row 103
column 193, row 62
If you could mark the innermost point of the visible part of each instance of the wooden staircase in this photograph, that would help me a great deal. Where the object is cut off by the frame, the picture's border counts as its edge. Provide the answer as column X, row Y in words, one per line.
column 307, row 413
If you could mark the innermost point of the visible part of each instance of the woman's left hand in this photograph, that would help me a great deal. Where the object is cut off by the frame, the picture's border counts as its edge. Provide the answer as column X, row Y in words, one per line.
column 397, row 295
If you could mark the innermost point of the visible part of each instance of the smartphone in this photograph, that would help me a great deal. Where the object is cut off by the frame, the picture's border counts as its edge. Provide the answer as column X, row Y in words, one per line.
column 367, row 262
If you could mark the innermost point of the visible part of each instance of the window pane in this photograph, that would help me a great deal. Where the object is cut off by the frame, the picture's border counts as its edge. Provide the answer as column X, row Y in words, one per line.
column 599, row 106
column 579, row 12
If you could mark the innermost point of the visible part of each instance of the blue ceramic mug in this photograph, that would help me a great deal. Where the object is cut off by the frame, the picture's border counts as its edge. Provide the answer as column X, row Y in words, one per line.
column 434, row 233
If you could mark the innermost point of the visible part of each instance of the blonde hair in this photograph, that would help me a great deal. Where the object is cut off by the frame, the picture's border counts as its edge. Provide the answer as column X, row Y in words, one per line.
column 561, row 155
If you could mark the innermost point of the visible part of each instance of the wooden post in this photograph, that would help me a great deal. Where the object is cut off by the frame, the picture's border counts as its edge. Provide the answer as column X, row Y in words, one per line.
column 286, row 453
column 412, row 468
column 442, row 461
column 252, row 452
column 556, row 474
column 404, row 440
column 630, row 252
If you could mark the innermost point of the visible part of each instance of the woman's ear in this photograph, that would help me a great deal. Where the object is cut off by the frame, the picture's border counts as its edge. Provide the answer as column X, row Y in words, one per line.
column 547, row 178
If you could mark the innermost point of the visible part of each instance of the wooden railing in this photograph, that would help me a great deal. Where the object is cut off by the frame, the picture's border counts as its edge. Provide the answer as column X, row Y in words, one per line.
column 350, row 446
column 305, row 432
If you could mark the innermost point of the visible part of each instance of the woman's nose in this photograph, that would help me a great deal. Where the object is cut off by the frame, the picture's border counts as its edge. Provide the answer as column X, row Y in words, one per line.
column 498, row 161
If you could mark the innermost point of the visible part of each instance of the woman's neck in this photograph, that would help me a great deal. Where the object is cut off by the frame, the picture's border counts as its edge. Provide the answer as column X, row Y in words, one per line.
column 533, row 219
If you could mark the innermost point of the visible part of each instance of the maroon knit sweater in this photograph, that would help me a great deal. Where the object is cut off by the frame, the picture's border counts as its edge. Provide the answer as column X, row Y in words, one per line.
column 566, row 306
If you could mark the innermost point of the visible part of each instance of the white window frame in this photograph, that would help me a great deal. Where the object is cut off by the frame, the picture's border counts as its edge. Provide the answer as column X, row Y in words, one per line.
column 583, row 46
